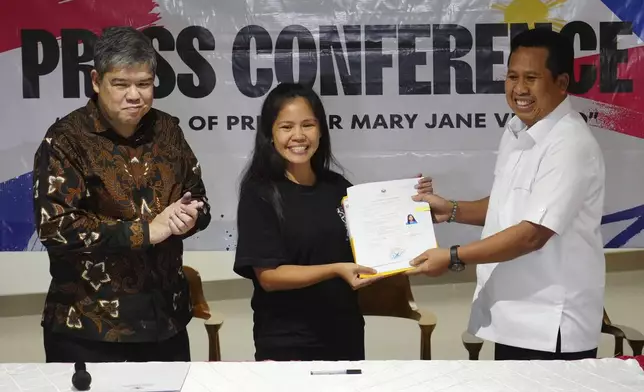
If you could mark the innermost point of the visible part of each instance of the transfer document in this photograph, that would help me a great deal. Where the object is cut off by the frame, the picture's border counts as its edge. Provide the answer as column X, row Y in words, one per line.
column 386, row 227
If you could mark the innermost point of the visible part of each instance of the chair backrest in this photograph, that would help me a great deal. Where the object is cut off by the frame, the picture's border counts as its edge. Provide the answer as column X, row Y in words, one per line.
column 200, row 307
column 391, row 296
column 606, row 319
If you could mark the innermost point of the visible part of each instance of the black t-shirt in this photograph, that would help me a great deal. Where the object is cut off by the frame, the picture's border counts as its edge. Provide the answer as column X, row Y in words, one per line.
column 312, row 232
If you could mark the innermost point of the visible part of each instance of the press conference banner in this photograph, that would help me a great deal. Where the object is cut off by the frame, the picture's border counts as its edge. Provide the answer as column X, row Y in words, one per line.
column 410, row 87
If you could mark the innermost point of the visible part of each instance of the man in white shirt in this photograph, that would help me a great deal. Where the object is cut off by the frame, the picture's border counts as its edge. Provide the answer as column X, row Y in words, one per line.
column 540, row 262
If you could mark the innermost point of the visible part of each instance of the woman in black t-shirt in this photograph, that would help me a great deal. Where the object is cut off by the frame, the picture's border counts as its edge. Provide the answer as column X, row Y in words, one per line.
column 292, row 240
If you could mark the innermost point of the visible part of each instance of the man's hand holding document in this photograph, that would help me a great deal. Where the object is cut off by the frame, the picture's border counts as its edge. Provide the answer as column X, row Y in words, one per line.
column 387, row 228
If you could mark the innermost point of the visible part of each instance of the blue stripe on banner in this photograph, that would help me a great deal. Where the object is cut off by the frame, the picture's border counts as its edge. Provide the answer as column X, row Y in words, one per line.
column 631, row 231
column 629, row 11
column 16, row 213
column 619, row 216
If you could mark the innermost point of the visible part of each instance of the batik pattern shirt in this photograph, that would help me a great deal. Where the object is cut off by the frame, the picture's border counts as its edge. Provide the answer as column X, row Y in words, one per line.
column 95, row 194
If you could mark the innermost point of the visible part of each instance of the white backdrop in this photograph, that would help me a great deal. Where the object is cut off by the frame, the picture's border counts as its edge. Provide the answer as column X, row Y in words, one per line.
column 400, row 111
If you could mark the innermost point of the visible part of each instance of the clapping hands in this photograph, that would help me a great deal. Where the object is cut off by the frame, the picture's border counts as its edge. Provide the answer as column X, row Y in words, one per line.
column 184, row 214
column 176, row 219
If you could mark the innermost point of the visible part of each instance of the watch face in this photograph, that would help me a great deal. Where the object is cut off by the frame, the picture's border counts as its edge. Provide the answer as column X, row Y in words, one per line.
column 457, row 267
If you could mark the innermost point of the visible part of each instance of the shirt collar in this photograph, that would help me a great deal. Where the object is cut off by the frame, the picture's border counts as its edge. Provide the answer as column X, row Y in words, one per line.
column 101, row 124
column 541, row 128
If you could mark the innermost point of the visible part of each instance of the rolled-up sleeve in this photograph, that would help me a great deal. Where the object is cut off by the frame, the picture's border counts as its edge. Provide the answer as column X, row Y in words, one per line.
column 562, row 184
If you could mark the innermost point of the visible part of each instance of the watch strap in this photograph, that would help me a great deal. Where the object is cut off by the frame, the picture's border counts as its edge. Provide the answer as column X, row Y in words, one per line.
column 455, row 264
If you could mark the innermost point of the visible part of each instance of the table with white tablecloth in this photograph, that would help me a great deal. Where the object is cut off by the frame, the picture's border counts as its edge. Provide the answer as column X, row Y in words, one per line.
column 604, row 375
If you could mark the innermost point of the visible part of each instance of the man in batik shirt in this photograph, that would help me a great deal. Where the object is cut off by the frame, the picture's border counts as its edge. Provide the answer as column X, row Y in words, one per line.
column 116, row 190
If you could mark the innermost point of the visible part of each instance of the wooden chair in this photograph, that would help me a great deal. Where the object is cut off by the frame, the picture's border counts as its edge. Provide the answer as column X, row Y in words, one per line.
column 392, row 297
column 634, row 338
column 201, row 310
column 472, row 344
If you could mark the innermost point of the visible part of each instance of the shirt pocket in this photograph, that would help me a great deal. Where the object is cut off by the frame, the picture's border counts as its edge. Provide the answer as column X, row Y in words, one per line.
column 523, row 181
column 519, row 193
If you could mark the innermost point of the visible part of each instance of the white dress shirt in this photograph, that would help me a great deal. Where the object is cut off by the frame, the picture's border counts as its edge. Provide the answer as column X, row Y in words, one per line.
column 551, row 174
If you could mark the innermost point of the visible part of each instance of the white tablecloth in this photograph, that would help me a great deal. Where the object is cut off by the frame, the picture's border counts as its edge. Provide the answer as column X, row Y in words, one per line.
column 605, row 375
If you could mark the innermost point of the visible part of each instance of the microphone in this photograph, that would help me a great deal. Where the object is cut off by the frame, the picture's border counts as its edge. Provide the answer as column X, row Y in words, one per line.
column 81, row 378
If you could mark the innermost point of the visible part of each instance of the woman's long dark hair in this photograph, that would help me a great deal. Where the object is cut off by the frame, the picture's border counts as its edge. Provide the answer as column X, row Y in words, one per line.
column 267, row 167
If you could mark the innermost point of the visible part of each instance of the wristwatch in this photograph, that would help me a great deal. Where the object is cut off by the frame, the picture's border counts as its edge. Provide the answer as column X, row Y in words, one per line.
column 455, row 264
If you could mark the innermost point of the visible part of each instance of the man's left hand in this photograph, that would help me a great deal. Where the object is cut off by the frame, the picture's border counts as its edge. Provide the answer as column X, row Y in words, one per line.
column 185, row 214
column 432, row 262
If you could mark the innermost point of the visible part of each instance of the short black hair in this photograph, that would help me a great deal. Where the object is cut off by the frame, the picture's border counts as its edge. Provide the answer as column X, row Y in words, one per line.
column 561, row 52
column 123, row 46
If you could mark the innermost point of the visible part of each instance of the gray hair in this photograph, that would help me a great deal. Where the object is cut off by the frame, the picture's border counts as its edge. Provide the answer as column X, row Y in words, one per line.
column 121, row 47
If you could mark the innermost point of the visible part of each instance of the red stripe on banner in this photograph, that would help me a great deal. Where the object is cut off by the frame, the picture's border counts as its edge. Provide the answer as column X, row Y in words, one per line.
column 620, row 112
column 53, row 15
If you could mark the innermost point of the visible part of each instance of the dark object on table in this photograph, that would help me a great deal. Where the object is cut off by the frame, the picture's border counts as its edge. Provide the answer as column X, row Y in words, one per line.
column 81, row 379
